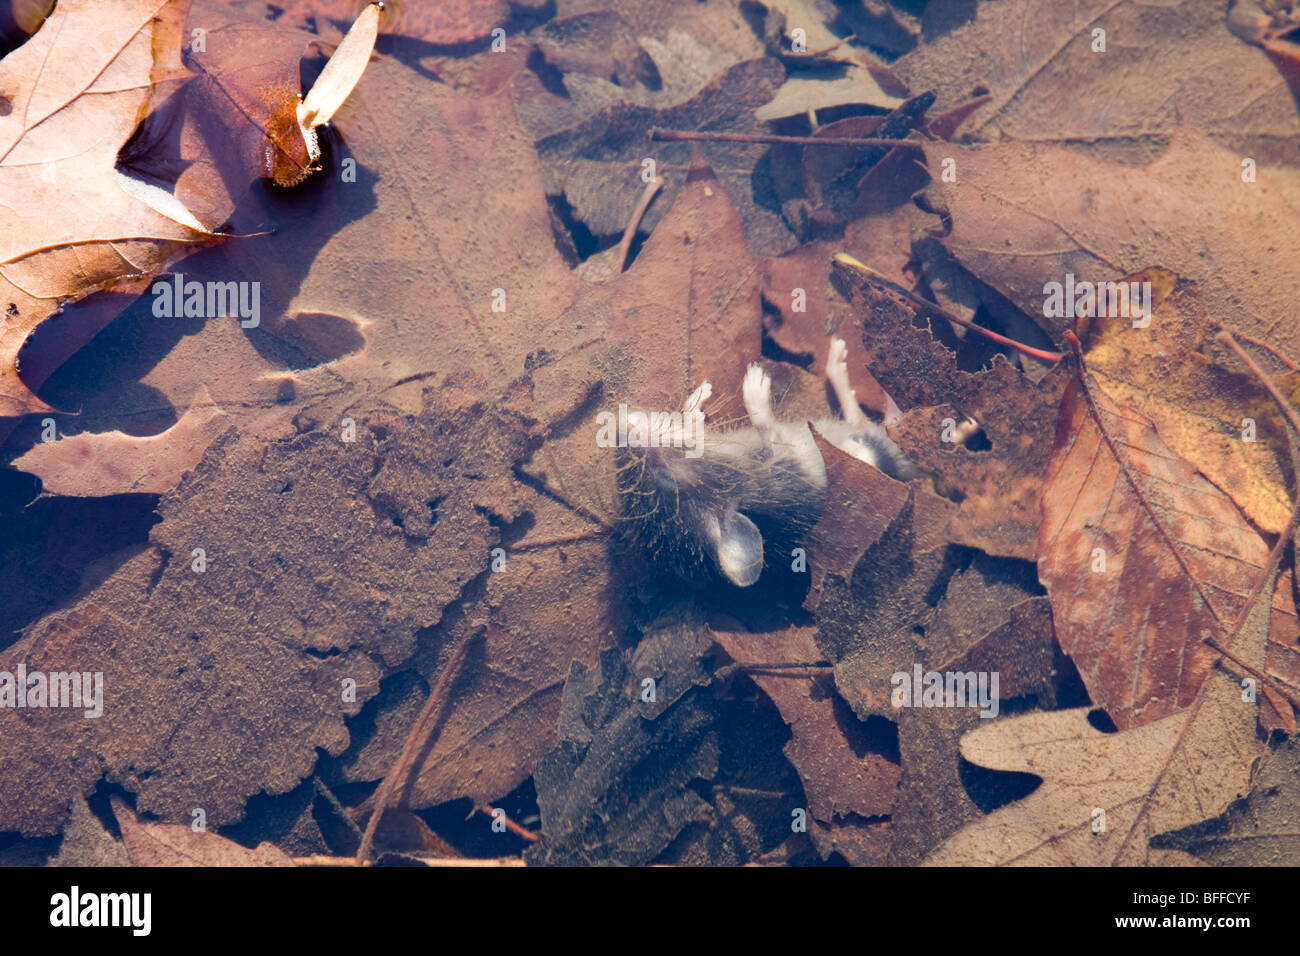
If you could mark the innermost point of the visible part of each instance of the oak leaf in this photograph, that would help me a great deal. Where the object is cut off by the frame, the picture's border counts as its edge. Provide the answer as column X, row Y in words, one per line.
column 78, row 88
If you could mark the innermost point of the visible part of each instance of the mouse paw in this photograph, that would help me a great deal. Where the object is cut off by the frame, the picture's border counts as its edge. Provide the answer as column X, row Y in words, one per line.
column 756, row 392
column 697, row 398
column 837, row 373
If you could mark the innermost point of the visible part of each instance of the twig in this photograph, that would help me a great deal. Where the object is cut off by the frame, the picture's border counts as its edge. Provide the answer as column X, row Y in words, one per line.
column 434, row 861
column 513, row 827
column 845, row 261
column 782, row 665
column 414, row 740
column 685, row 135
column 1266, row 347
column 625, row 244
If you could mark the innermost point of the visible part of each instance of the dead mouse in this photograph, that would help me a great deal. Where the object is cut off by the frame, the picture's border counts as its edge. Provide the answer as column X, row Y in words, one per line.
column 702, row 501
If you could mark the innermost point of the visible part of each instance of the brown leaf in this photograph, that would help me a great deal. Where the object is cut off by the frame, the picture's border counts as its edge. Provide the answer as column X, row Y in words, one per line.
column 999, row 487
column 847, row 778
column 83, row 79
column 1196, row 402
column 798, row 285
column 171, row 844
column 92, row 465
column 1026, row 214
column 1142, row 558
column 1161, row 65
column 861, row 503
column 597, row 164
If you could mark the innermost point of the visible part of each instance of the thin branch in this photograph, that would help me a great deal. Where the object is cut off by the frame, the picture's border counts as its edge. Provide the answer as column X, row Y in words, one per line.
column 625, row 244
column 846, row 261
column 414, row 740
column 685, row 135
column 513, row 827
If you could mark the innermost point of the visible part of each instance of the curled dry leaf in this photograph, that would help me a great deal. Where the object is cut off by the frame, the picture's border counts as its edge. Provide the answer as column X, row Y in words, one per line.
column 68, row 226
column 342, row 72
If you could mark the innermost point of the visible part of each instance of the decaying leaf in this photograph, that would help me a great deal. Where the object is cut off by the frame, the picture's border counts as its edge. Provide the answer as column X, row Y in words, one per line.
column 851, row 784
column 1104, row 796
column 999, row 486
column 173, row 844
column 1142, row 558
column 405, row 473
column 634, row 736
column 1259, row 830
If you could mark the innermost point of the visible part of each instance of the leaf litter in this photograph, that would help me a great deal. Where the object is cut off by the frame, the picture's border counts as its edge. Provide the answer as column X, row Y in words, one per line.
column 385, row 495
